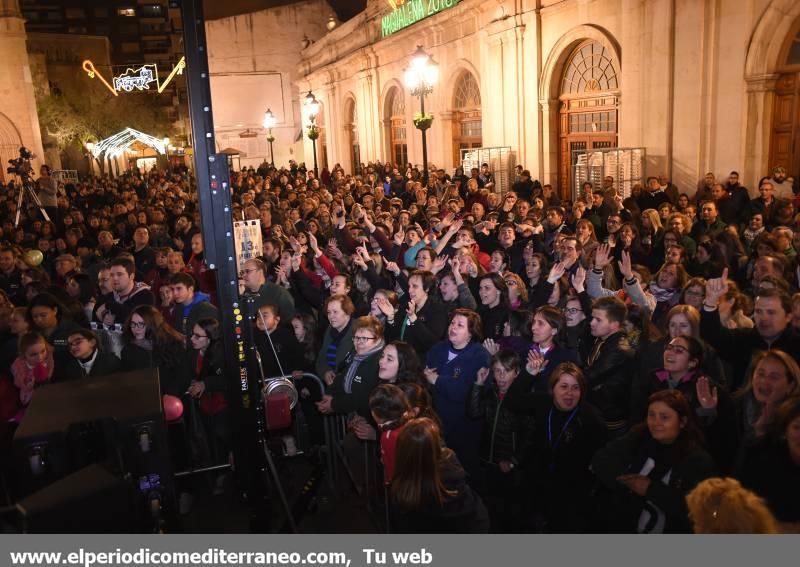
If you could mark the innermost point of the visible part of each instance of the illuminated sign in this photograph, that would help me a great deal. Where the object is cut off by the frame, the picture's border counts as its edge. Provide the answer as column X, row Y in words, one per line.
column 135, row 79
column 138, row 79
column 407, row 12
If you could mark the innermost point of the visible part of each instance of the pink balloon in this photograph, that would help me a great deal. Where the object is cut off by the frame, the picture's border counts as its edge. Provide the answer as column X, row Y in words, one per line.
column 173, row 407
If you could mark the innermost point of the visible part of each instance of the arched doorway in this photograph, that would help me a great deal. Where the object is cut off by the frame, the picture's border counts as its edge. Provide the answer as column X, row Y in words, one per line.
column 589, row 98
column 351, row 129
column 467, row 126
column 10, row 142
column 395, row 112
column 784, row 147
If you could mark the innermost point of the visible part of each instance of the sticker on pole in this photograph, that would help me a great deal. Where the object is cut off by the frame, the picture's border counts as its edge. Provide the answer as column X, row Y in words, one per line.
column 247, row 240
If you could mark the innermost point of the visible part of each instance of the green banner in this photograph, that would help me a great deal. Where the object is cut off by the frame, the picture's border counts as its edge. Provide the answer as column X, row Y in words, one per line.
column 411, row 12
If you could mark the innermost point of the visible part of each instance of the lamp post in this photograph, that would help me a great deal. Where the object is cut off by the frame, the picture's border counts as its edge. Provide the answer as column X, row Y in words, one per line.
column 312, row 109
column 419, row 78
column 269, row 122
column 90, row 156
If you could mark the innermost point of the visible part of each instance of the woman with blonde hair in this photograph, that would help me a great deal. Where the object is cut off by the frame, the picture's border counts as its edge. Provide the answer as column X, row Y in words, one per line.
column 517, row 292
column 723, row 506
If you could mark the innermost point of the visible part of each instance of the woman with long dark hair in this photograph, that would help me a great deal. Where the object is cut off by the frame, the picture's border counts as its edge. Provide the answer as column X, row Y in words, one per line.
column 150, row 342
column 649, row 471
column 429, row 489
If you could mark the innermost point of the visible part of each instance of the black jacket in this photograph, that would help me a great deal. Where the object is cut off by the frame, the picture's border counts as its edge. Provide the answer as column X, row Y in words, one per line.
column 212, row 373
column 365, row 380
column 429, row 328
column 767, row 469
column 555, row 456
column 503, row 429
column 627, row 455
column 462, row 512
column 105, row 363
column 738, row 345
column 719, row 426
column 290, row 352
column 609, row 379
column 170, row 359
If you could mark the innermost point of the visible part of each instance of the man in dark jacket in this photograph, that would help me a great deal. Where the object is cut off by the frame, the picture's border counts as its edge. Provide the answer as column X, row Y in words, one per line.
column 524, row 187
column 772, row 317
column 608, row 368
column 126, row 294
column 652, row 196
column 11, row 277
column 190, row 305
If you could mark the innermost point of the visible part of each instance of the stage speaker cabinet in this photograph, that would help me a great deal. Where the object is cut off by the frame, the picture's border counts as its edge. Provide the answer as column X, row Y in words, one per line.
column 90, row 500
column 116, row 420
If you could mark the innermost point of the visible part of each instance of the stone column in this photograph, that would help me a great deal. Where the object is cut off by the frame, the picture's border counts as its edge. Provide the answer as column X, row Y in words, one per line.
column 758, row 128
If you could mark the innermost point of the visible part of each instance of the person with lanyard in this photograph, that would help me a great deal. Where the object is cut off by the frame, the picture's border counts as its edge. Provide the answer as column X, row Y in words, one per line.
column 451, row 368
column 565, row 433
column 425, row 319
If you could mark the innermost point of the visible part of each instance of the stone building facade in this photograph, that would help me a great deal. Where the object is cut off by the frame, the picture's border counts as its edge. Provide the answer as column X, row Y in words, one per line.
column 253, row 60
column 701, row 85
column 19, row 123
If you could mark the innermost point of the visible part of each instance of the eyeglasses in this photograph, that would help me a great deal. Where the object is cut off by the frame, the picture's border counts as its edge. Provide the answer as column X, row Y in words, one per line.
column 248, row 271
column 196, row 336
column 676, row 348
column 511, row 283
column 695, row 293
column 572, row 310
column 357, row 339
column 135, row 325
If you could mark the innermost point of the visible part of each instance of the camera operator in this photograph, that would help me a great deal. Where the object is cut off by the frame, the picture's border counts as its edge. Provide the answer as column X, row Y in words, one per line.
column 47, row 190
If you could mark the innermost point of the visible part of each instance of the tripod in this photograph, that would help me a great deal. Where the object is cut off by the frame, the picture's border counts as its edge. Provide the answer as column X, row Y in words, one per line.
column 27, row 186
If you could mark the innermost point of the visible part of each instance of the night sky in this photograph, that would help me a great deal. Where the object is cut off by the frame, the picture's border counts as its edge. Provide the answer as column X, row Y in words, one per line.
column 214, row 9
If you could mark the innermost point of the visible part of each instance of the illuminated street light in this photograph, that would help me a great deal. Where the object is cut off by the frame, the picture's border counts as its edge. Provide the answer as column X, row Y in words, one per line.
column 269, row 122
column 312, row 110
column 420, row 77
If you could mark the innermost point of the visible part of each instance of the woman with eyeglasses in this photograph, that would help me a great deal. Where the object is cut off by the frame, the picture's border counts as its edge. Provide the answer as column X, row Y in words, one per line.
column 358, row 373
column 648, row 472
column 694, row 293
column 206, row 361
column 87, row 359
column 682, row 370
column 150, row 342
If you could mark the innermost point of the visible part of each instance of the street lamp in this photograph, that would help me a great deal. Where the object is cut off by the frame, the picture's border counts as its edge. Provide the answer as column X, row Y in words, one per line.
column 269, row 122
column 312, row 109
column 419, row 78
column 90, row 156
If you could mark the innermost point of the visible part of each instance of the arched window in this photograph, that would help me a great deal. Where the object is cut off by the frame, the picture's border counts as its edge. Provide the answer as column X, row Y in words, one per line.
column 467, row 128
column 589, row 100
column 396, row 111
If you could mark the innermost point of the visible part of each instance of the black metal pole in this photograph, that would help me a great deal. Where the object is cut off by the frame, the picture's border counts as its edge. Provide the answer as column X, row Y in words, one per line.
column 214, row 193
column 314, row 146
column 424, row 142
column 271, row 155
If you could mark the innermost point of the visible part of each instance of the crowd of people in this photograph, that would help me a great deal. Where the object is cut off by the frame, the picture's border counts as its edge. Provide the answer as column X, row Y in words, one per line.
column 523, row 362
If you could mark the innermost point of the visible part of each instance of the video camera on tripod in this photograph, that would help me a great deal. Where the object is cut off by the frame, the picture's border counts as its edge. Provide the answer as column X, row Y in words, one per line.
column 22, row 165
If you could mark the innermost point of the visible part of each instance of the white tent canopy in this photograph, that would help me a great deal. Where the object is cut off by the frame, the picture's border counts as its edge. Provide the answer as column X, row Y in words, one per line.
column 116, row 145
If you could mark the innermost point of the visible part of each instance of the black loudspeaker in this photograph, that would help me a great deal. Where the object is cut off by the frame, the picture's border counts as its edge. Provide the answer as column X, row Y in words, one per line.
column 116, row 420
column 87, row 501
